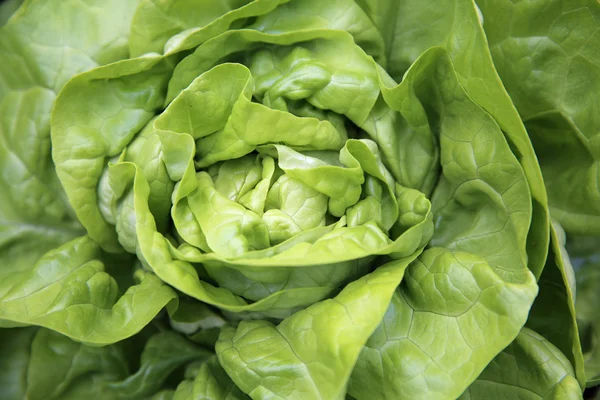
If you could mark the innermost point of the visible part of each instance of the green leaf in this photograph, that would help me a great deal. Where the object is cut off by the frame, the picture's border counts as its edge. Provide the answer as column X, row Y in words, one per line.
column 346, row 85
column 35, row 215
column 199, row 322
column 586, row 260
column 311, row 353
column 15, row 350
column 42, row 364
column 547, row 55
column 163, row 353
column 458, row 294
column 531, row 367
column 164, row 25
column 7, row 9
column 343, row 15
column 477, row 277
column 164, row 395
column 553, row 314
column 69, row 291
column 95, row 117
column 211, row 383
column 411, row 27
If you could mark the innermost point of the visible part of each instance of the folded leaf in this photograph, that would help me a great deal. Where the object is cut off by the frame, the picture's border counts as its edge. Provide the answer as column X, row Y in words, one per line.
column 69, row 291
column 311, row 353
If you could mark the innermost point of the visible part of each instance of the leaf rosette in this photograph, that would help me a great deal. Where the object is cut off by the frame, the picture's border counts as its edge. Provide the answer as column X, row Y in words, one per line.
column 263, row 161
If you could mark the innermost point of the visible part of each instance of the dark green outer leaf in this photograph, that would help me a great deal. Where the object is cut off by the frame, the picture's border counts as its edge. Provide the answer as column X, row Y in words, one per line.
column 548, row 57
column 530, row 368
column 553, row 312
column 411, row 27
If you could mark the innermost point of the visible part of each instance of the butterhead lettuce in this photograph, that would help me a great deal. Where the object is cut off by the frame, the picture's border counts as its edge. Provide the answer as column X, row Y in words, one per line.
column 287, row 199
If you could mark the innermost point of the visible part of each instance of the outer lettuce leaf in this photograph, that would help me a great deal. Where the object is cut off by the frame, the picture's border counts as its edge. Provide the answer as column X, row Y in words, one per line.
column 406, row 357
column 166, row 394
column 411, row 27
column 200, row 323
column 156, row 23
column 311, row 353
column 530, row 368
column 69, row 291
column 34, row 213
column 7, row 9
column 343, row 15
column 172, row 26
column 42, row 364
column 163, row 353
column 553, row 314
column 586, row 260
column 546, row 53
column 475, row 280
column 15, row 351
column 210, row 383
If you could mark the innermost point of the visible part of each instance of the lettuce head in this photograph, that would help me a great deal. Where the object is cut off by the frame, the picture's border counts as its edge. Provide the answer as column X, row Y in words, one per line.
column 299, row 199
